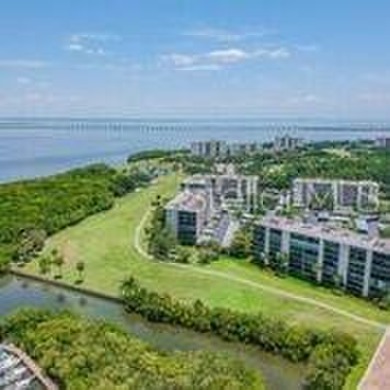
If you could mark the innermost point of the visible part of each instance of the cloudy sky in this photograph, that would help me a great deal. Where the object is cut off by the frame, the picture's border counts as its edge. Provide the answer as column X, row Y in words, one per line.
column 263, row 58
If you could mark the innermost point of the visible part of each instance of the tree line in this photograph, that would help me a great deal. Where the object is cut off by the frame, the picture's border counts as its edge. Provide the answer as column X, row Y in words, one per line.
column 31, row 210
column 317, row 162
column 330, row 355
column 78, row 353
column 155, row 154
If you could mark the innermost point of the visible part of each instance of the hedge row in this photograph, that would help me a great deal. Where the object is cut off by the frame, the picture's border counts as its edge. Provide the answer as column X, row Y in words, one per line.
column 298, row 344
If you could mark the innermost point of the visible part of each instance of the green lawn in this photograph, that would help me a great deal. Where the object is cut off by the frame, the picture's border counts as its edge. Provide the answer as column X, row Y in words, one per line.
column 105, row 243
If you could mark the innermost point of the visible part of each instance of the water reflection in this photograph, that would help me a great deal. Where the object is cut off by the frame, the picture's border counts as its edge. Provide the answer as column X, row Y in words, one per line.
column 17, row 293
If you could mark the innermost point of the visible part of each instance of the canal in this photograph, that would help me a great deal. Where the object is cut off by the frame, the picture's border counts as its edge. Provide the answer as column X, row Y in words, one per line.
column 18, row 292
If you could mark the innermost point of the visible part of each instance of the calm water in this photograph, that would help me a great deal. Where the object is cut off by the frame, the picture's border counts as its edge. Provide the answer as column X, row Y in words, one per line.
column 30, row 148
column 16, row 293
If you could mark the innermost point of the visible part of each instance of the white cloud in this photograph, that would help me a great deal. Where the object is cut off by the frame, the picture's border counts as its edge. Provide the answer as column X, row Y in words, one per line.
column 305, row 99
column 23, row 80
column 309, row 48
column 200, row 67
column 228, row 56
column 30, row 83
column 75, row 47
column 216, row 59
column 22, row 63
column 273, row 54
column 180, row 60
column 222, row 35
column 97, row 37
column 375, row 97
column 91, row 43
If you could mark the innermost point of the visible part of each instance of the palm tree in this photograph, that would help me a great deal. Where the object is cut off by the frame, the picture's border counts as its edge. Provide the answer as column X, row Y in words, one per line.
column 338, row 280
column 316, row 269
column 44, row 265
column 281, row 265
column 80, row 266
column 262, row 259
column 59, row 262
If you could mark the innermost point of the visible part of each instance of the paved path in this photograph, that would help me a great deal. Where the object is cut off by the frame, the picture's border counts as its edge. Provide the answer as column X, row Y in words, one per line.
column 272, row 290
column 377, row 376
column 137, row 237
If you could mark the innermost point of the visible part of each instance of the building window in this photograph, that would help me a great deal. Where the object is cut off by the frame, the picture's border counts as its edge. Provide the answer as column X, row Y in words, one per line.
column 380, row 275
column 330, row 262
column 259, row 243
column 304, row 254
column 275, row 243
column 356, row 270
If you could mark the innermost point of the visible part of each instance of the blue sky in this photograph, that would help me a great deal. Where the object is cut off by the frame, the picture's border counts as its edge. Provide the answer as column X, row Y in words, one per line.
column 262, row 58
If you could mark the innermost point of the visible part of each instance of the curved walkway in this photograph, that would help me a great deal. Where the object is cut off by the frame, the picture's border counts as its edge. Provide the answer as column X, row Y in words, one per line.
column 377, row 375
column 273, row 290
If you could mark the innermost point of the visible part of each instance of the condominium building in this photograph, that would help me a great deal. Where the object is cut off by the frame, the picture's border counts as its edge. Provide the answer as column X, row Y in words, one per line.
column 205, row 201
column 334, row 194
column 243, row 148
column 221, row 149
column 243, row 190
column 209, row 149
column 236, row 188
column 383, row 142
column 287, row 143
column 186, row 215
column 327, row 255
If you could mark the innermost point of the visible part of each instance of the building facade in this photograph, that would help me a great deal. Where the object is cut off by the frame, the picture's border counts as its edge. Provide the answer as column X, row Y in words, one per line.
column 240, row 189
column 335, row 194
column 222, row 149
column 287, row 143
column 205, row 203
column 236, row 188
column 328, row 256
column 186, row 215
column 209, row 149
column 383, row 142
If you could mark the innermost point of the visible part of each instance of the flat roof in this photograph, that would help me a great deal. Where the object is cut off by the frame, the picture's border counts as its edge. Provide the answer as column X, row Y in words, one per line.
column 197, row 178
column 340, row 181
column 329, row 233
column 188, row 201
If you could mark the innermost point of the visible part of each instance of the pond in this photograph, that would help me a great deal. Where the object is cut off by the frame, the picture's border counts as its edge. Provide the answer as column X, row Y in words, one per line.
column 17, row 292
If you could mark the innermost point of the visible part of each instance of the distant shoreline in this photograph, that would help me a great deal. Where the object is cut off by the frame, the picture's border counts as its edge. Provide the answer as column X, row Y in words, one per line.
column 31, row 148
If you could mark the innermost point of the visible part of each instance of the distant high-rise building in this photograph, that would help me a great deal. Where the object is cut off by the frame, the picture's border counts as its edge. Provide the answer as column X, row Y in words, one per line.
column 209, row 149
column 221, row 149
column 383, row 142
column 287, row 143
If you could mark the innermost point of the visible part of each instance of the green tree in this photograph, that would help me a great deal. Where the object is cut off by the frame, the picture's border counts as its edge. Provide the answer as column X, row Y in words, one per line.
column 280, row 263
column 58, row 260
column 44, row 264
column 80, row 267
column 163, row 244
column 31, row 241
column 241, row 245
column 183, row 255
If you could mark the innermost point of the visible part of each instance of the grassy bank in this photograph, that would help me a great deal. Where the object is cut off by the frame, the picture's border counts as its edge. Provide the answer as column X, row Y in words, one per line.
column 105, row 243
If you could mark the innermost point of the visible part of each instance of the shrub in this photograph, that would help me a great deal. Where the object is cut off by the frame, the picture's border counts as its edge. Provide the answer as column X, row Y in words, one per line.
column 81, row 354
column 330, row 354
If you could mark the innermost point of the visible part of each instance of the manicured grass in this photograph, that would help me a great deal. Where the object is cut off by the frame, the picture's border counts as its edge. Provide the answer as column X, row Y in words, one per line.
column 355, row 305
column 105, row 243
